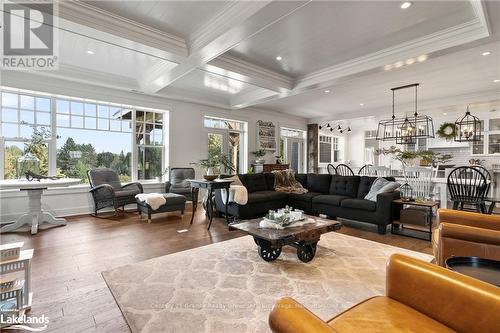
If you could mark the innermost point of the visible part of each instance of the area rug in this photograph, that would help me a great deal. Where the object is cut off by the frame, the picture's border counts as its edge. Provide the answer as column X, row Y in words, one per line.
column 227, row 287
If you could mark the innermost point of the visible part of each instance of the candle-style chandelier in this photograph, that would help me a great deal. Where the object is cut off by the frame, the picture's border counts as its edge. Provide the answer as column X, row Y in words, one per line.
column 408, row 129
column 339, row 128
column 468, row 128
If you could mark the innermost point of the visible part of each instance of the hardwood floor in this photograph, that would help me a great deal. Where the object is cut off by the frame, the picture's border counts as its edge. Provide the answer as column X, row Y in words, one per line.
column 67, row 283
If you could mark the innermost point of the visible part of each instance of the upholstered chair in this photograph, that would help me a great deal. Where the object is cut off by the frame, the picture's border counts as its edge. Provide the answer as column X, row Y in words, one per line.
column 107, row 190
column 461, row 233
column 420, row 297
column 179, row 183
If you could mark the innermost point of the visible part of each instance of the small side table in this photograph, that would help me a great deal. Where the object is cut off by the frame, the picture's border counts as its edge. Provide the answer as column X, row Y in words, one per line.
column 428, row 204
column 210, row 186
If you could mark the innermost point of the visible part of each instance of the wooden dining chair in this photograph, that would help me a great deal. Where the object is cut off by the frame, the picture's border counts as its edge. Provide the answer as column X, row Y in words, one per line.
column 366, row 170
column 344, row 170
column 331, row 169
column 468, row 186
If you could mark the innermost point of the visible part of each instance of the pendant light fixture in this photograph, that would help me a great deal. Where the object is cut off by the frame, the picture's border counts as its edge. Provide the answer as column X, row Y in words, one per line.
column 408, row 129
column 334, row 127
column 468, row 128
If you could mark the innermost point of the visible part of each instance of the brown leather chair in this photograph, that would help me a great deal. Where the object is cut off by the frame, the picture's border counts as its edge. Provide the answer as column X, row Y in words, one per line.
column 462, row 233
column 420, row 297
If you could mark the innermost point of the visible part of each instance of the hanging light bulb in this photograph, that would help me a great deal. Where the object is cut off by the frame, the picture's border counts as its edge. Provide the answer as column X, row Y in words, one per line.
column 331, row 129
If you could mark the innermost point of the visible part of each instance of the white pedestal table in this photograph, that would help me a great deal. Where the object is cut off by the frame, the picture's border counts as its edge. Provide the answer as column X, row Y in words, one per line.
column 35, row 215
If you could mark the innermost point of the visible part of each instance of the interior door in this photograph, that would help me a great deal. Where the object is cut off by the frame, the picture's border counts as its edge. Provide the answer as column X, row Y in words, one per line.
column 295, row 153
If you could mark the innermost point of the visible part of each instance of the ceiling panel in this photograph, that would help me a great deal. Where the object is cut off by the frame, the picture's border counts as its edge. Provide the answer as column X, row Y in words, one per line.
column 458, row 74
column 325, row 33
column 180, row 18
column 207, row 84
column 107, row 58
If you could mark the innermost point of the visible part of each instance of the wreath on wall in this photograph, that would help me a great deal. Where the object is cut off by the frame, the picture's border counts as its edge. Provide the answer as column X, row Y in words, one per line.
column 447, row 131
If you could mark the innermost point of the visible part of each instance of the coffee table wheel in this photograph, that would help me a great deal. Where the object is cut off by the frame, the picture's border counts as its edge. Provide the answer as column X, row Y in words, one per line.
column 269, row 253
column 306, row 252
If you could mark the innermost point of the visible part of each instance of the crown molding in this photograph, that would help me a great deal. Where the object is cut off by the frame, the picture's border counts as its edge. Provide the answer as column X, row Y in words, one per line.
column 457, row 35
column 88, row 15
column 230, row 15
column 244, row 71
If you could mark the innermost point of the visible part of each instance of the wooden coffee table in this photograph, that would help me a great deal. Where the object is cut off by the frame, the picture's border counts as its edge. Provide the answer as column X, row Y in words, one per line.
column 303, row 238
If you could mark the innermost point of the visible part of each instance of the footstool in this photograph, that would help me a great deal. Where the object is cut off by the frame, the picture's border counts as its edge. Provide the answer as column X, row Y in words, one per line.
column 173, row 203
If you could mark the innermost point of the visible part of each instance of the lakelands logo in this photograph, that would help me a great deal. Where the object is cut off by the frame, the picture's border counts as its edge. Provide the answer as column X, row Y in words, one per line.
column 31, row 324
column 29, row 37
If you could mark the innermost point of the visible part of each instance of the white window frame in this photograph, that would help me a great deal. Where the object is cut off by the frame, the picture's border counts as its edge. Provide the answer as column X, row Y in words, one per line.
column 243, row 131
column 336, row 143
column 301, row 136
column 52, row 142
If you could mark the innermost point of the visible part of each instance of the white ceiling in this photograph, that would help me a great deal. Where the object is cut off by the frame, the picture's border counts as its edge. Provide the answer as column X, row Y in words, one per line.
column 325, row 33
column 223, row 53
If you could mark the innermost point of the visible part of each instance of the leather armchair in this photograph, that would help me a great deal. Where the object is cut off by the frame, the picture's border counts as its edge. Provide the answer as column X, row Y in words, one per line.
column 420, row 297
column 461, row 233
column 178, row 183
column 107, row 190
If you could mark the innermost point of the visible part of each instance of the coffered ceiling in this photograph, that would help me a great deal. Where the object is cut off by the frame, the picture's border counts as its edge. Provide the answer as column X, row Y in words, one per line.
column 309, row 58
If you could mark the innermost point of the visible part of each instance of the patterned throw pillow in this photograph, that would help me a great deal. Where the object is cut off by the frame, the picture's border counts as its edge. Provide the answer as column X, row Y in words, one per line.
column 381, row 185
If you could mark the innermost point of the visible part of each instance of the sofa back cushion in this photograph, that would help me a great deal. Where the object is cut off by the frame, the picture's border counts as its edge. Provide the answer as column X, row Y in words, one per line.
column 302, row 179
column 344, row 185
column 318, row 183
column 269, row 181
column 254, row 182
column 365, row 185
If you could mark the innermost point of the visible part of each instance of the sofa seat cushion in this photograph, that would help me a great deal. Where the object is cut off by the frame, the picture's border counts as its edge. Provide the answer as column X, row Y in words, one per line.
column 305, row 197
column 362, row 204
column 265, row 196
column 383, row 315
column 330, row 199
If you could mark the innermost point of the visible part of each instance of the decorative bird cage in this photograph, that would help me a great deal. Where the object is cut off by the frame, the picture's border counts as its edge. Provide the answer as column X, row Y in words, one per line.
column 25, row 163
column 468, row 128
column 406, row 192
column 406, row 132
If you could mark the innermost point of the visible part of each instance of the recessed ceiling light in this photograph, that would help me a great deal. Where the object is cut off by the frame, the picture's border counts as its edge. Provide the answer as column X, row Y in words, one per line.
column 361, row 104
column 90, row 52
column 279, row 58
column 496, row 80
column 388, row 67
column 398, row 64
column 486, row 53
column 445, row 114
column 422, row 58
column 410, row 61
column 327, row 91
column 405, row 5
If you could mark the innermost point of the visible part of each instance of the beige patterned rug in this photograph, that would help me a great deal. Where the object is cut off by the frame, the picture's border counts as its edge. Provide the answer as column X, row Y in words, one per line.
column 227, row 287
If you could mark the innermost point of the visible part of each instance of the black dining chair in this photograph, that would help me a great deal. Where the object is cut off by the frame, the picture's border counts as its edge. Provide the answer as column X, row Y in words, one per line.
column 366, row 170
column 468, row 186
column 331, row 169
column 344, row 170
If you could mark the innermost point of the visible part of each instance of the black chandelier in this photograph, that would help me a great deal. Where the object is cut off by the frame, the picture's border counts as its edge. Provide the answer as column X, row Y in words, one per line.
column 468, row 128
column 408, row 129
column 339, row 128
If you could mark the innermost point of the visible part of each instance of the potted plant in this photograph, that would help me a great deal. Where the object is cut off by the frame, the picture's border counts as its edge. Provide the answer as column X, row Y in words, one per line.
column 213, row 164
column 259, row 154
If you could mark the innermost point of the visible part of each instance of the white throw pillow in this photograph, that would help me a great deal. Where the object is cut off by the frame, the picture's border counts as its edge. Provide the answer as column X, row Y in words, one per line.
column 381, row 185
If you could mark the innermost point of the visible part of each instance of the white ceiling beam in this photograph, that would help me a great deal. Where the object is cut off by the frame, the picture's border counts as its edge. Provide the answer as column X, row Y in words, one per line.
column 244, row 22
column 173, row 47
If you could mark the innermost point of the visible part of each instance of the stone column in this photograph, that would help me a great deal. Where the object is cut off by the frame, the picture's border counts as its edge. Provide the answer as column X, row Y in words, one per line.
column 312, row 148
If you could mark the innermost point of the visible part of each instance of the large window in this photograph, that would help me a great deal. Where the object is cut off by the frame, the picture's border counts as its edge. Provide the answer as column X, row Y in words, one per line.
column 331, row 149
column 229, row 137
column 84, row 134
